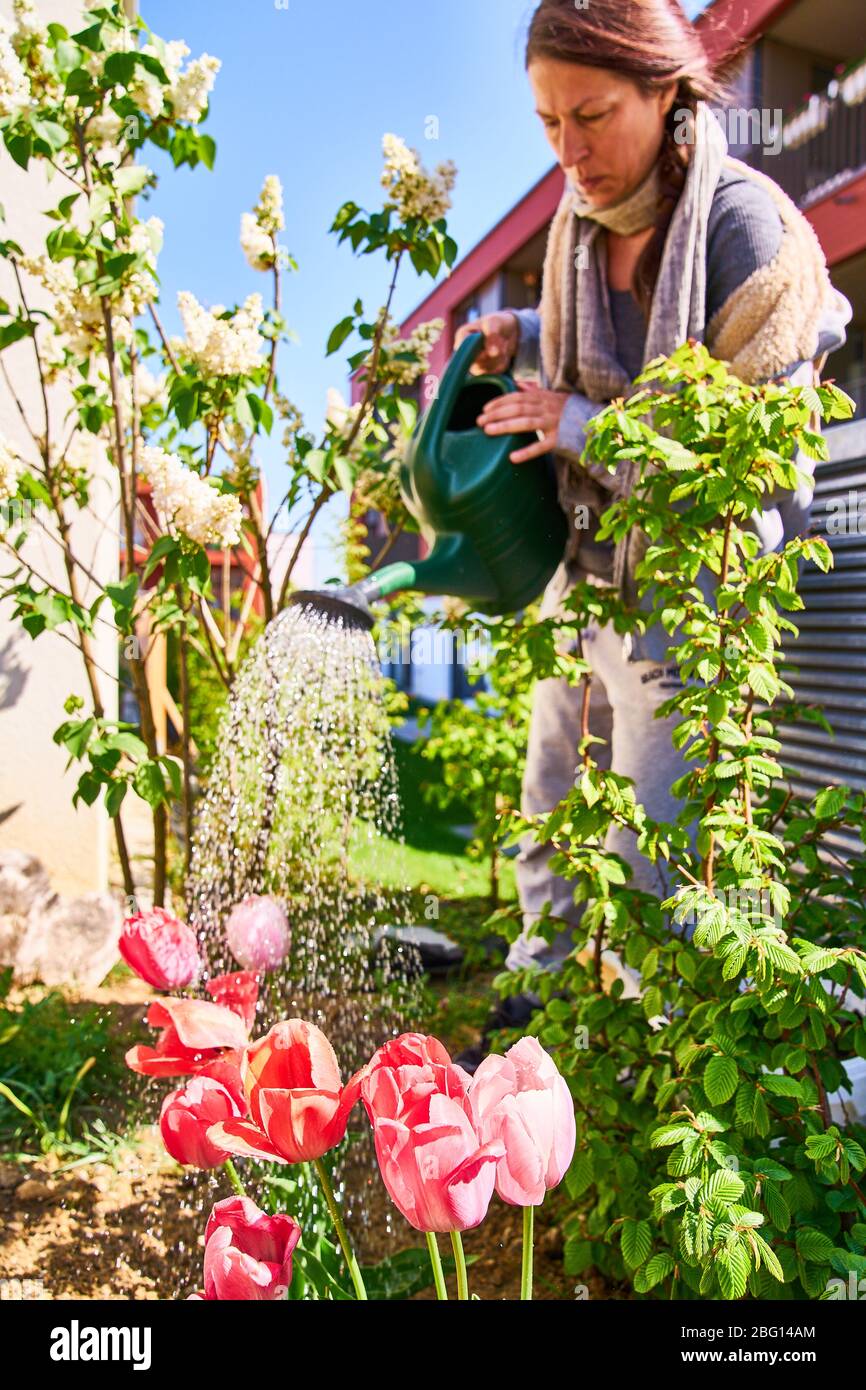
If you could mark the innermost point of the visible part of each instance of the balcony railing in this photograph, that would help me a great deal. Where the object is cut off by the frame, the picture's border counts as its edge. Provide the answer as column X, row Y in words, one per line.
column 824, row 143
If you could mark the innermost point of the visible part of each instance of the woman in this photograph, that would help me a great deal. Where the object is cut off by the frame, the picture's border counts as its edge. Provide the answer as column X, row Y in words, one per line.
column 659, row 237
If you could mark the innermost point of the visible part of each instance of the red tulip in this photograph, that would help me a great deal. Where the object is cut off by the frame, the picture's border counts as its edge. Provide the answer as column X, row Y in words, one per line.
column 160, row 949
column 215, row 1093
column 194, row 1033
column 522, row 1100
column 247, row 1254
column 257, row 933
column 298, row 1104
column 238, row 992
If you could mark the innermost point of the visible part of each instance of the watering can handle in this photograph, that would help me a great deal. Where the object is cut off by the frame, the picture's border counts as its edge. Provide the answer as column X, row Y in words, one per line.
column 453, row 381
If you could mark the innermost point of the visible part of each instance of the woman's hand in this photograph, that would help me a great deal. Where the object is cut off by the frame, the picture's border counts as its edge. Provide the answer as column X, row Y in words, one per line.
column 501, row 339
column 528, row 410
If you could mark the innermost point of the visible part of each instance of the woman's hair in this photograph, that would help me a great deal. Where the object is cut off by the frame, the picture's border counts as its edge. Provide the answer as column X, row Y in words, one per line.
column 652, row 43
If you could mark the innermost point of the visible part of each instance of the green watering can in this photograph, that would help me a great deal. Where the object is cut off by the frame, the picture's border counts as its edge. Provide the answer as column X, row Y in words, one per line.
column 495, row 529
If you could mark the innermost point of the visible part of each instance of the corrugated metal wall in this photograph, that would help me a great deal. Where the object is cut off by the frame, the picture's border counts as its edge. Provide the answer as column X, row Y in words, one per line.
column 830, row 655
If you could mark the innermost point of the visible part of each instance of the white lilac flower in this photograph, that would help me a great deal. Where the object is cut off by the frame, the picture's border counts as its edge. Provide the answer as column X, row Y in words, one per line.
column 269, row 208
column 256, row 244
column 105, row 129
column 189, row 503
column 77, row 311
column 190, row 91
column 10, row 467
column 149, row 390
column 411, row 189
column 14, row 83
column 259, row 228
column 218, row 346
column 342, row 419
column 420, row 343
column 28, row 21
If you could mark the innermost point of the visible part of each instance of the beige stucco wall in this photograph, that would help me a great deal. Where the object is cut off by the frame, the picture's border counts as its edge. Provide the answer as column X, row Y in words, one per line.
column 37, row 676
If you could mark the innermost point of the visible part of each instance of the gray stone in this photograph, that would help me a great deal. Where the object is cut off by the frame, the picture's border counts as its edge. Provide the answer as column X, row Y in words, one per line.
column 60, row 941
column 437, row 951
column 23, row 882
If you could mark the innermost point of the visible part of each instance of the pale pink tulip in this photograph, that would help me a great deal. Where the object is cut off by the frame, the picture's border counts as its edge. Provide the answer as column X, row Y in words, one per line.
column 257, row 933
column 160, row 948
column 522, row 1101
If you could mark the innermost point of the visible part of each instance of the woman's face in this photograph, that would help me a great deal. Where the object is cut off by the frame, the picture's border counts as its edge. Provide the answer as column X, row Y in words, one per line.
column 605, row 132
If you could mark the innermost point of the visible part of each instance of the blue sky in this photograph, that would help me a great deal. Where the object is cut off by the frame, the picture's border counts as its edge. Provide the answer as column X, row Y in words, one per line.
column 307, row 92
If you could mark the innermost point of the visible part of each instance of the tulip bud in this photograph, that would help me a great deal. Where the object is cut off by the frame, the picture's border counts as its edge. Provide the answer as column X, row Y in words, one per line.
column 258, row 934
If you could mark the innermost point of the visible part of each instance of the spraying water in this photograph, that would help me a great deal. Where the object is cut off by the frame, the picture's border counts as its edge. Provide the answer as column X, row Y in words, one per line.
column 302, row 804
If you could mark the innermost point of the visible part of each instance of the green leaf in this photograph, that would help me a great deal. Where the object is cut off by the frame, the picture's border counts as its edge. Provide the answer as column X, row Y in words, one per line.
column 657, row 1269
column 148, row 783
column 813, row 1245
column 732, row 1270
column 724, row 1185
column 721, row 1076
column 830, row 802
column 782, row 1085
column 339, row 334
column 131, row 179
column 114, row 794
column 636, row 1242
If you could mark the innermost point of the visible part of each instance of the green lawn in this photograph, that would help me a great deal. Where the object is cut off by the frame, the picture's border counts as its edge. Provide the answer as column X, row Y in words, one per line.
column 432, row 857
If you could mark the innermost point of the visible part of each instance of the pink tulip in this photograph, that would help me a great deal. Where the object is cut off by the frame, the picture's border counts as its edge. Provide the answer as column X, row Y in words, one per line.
column 437, row 1172
column 409, row 1050
column 257, row 933
column 522, row 1100
column 298, row 1104
column 215, row 1093
column 193, row 1033
column 247, row 1254
column 405, row 1071
column 160, row 949
column 436, row 1169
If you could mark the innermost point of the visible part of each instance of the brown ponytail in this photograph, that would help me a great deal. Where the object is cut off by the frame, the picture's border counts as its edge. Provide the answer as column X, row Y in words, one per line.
column 652, row 43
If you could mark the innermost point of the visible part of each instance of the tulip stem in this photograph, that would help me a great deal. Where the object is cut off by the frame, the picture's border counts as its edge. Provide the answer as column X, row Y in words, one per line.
column 460, row 1261
column 436, row 1262
column 526, row 1269
column 235, row 1181
column 348, row 1253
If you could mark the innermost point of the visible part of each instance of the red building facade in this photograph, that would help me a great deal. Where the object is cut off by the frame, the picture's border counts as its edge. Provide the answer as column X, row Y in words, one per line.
column 794, row 57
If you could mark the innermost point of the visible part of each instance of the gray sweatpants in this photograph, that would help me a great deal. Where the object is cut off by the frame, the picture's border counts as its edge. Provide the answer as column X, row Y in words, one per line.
column 624, row 697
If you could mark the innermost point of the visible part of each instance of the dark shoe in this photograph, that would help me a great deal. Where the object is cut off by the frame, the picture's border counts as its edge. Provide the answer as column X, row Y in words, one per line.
column 513, row 1012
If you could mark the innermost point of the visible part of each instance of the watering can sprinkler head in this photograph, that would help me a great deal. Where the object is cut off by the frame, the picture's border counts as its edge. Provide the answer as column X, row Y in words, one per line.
column 347, row 604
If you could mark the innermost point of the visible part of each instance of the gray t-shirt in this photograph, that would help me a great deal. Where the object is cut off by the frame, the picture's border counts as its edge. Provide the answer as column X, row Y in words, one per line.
column 744, row 232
